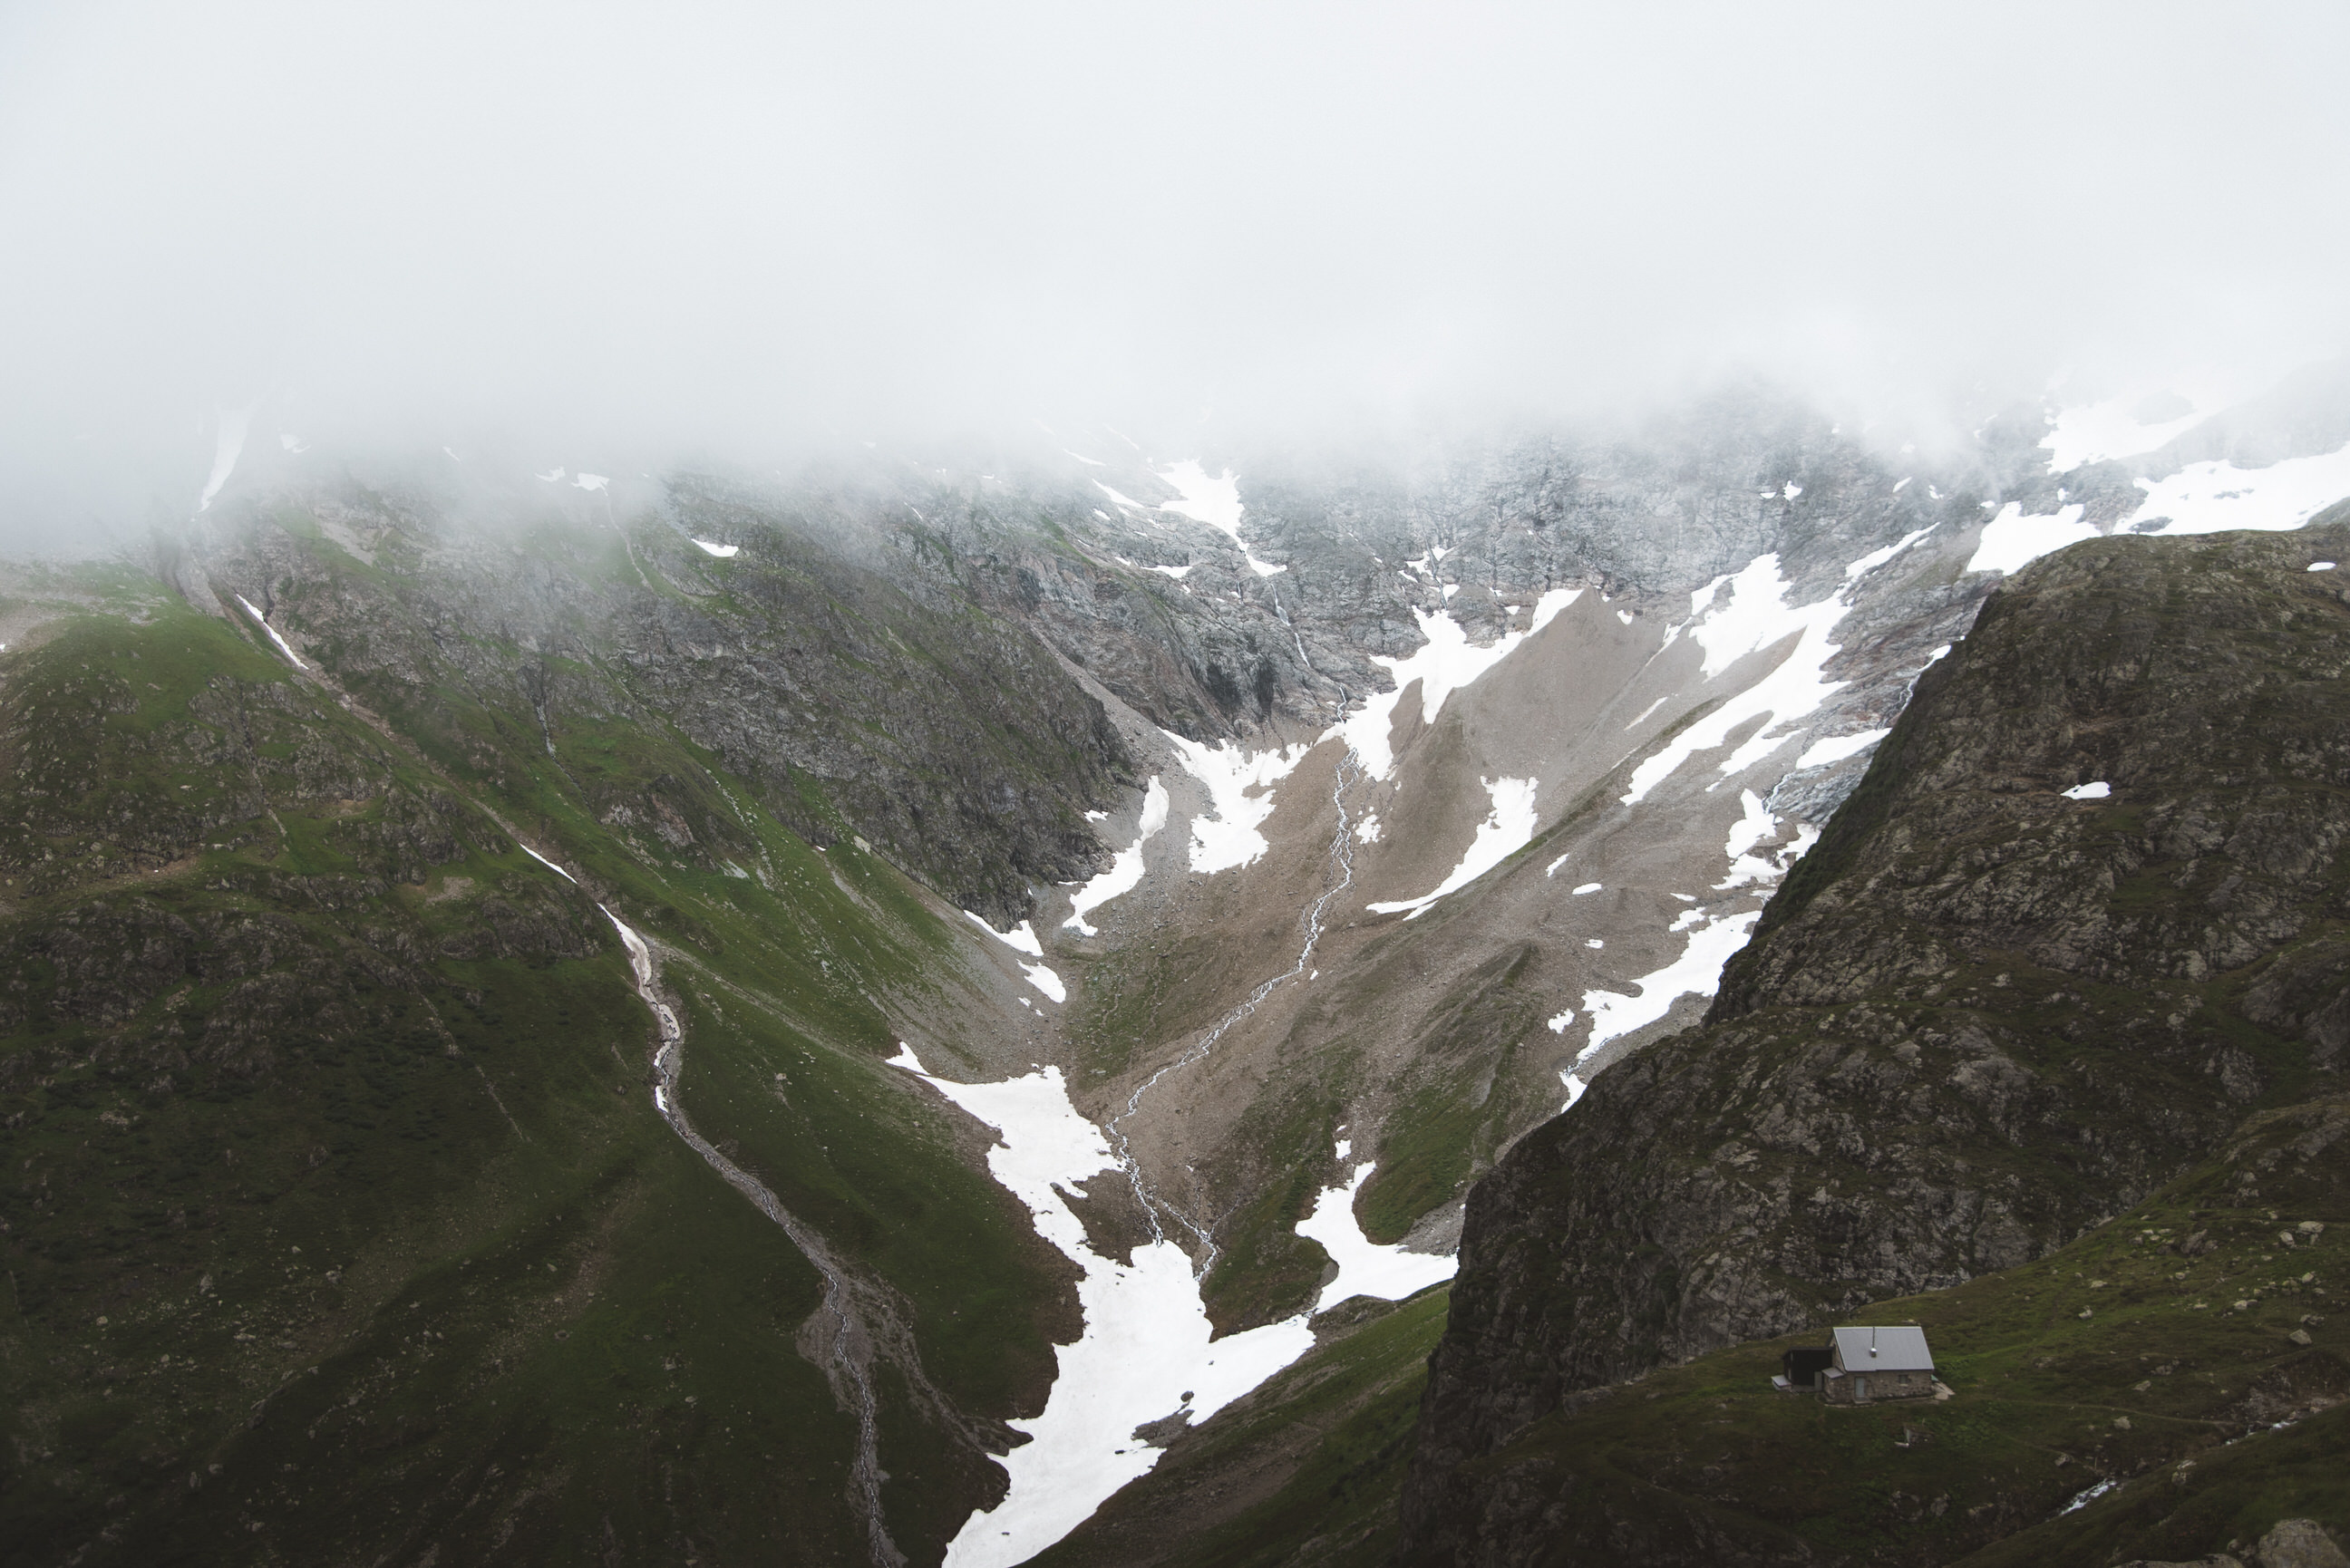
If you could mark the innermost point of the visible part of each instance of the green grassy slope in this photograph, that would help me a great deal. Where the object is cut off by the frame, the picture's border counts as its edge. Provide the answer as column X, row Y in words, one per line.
column 2158, row 1353
column 338, row 1222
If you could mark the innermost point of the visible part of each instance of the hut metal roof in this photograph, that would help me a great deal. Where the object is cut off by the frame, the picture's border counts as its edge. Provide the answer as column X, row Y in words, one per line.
column 1900, row 1348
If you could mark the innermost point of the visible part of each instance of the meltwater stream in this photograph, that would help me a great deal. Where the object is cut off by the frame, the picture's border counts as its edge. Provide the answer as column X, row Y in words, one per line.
column 1342, row 849
column 847, row 1350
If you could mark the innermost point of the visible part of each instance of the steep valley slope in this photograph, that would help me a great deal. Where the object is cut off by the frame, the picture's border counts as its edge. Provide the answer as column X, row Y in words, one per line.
column 2083, row 914
column 1100, row 921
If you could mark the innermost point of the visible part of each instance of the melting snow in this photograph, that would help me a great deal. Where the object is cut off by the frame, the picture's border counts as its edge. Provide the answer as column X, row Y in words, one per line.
column 1145, row 1342
column 1507, row 829
column 1125, row 873
column 552, row 475
column 1365, row 1268
column 1215, row 501
column 723, row 552
column 1647, row 710
column 1756, row 617
column 2012, row 541
column 1128, row 502
column 1369, row 831
column 1697, row 972
column 1836, row 748
column 2321, row 565
column 1444, row 664
column 1177, row 573
column 1231, row 838
column 2096, row 791
column 2094, row 432
column 1876, row 559
column 559, row 870
column 283, row 646
column 2206, row 497
column 1021, row 937
column 1747, row 869
column 1552, row 869
column 587, row 481
column 1586, row 888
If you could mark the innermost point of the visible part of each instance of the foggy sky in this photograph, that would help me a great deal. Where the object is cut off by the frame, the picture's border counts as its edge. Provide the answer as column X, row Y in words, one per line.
column 765, row 227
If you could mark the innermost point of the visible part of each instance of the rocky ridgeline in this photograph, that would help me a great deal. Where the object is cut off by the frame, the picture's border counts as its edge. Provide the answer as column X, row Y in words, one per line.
column 944, row 735
column 1984, row 1016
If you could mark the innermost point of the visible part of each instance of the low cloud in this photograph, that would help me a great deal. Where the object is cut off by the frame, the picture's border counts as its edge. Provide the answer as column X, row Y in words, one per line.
column 758, row 230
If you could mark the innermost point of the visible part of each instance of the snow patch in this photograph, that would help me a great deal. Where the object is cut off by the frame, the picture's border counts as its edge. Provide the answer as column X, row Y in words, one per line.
column 1508, row 828
column 2321, row 565
column 1369, row 833
column 1552, row 869
column 723, row 552
column 283, row 646
column 1836, row 748
column 1231, row 838
column 1147, row 1341
column 2095, row 433
column 1697, row 972
column 1365, row 1268
column 1215, row 501
column 1586, row 888
column 2098, row 790
column 1441, row 666
column 1876, row 559
column 1125, row 873
column 2207, row 497
column 1021, row 937
column 1748, row 870
column 586, row 480
column 1756, row 617
column 1647, row 710
column 559, row 870
column 2012, row 541
column 1177, row 573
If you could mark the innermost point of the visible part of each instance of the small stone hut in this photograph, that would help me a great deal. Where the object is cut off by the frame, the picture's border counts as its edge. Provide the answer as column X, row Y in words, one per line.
column 1867, row 1364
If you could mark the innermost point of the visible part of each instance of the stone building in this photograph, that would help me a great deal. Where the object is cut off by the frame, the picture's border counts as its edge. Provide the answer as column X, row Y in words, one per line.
column 1867, row 1364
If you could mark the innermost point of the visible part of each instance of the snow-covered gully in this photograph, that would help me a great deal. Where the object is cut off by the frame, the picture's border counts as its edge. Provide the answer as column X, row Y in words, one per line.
column 848, row 1344
column 1147, row 1350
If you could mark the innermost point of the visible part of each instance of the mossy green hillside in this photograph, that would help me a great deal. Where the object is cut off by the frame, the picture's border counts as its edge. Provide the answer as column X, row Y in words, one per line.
column 2159, row 1354
column 337, row 1215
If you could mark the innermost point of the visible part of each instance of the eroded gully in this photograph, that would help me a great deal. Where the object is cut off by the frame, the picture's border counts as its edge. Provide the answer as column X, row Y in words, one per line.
column 1342, row 851
column 846, row 1340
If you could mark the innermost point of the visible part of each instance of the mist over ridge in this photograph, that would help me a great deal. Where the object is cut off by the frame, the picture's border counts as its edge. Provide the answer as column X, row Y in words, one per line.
column 766, row 237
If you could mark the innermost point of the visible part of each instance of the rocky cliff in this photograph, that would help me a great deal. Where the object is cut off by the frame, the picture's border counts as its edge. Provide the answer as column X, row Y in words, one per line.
column 2086, row 911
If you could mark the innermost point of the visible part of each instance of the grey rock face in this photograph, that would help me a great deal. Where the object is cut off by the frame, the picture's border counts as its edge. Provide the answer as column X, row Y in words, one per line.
column 944, row 734
column 1977, row 1019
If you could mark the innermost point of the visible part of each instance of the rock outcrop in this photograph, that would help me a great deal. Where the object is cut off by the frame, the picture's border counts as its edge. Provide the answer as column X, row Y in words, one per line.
column 2083, row 914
